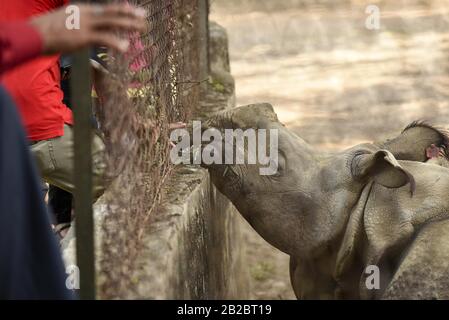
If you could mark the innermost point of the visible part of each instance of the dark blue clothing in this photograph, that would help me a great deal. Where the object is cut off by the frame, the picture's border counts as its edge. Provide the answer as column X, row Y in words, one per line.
column 30, row 260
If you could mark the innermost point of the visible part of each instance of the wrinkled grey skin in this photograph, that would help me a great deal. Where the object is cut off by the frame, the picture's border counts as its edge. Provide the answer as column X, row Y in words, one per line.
column 335, row 214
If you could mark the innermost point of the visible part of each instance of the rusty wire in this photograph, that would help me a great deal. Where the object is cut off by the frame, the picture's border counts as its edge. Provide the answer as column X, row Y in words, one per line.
column 149, row 88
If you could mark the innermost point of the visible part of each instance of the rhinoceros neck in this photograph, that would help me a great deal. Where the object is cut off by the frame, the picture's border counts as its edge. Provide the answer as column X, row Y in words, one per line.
column 308, row 153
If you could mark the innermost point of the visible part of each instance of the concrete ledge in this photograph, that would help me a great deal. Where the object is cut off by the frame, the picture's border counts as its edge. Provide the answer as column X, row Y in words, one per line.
column 193, row 249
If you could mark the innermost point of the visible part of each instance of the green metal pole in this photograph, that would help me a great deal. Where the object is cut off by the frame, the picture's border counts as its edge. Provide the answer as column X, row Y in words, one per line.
column 81, row 85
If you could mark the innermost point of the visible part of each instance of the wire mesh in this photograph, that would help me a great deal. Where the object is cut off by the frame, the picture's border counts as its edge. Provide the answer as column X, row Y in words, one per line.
column 153, row 85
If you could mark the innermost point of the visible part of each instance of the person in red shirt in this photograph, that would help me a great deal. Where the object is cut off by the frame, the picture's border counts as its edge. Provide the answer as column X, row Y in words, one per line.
column 35, row 87
column 30, row 261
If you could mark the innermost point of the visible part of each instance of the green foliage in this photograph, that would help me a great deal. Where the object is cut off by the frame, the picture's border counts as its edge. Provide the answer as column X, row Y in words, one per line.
column 261, row 271
column 217, row 85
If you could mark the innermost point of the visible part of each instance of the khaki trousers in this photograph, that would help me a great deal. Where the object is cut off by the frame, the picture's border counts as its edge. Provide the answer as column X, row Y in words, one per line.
column 55, row 160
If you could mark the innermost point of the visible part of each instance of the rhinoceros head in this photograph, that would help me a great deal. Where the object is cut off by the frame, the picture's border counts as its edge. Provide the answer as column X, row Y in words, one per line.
column 300, row 207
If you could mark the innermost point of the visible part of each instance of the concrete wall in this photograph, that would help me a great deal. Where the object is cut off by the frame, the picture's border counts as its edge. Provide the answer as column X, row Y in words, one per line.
column 193, row 249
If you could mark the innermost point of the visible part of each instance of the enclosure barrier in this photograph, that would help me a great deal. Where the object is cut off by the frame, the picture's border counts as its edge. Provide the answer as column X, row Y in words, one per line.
column 156, row 83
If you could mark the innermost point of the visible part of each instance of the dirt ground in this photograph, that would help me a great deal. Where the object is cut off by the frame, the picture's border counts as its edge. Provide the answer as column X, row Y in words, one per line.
column 334, row 82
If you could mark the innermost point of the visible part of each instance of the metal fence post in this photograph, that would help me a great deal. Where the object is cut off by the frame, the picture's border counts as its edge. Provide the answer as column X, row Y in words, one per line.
column 203, row 35
column 81, row 86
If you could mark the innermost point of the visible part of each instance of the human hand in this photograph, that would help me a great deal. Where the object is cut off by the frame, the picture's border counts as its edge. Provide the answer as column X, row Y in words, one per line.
column 98, row 26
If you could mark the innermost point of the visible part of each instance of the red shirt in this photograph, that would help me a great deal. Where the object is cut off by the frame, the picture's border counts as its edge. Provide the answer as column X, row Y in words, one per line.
column 19, row 42
column 35, row 86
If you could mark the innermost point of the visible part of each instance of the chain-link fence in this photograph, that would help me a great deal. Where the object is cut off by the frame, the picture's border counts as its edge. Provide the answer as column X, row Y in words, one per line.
column 155, row 84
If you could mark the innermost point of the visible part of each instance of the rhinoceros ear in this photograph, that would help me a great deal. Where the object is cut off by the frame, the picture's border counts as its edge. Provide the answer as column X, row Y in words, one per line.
column 383, row 168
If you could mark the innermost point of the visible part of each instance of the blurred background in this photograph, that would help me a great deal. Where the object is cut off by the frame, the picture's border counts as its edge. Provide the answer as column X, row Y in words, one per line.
column 333, row 81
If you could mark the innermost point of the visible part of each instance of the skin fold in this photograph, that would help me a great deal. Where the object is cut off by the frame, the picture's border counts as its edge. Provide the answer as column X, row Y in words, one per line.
column 336, row 214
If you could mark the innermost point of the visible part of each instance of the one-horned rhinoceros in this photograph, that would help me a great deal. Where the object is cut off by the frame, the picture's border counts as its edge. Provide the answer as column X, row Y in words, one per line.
column 343, row 217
